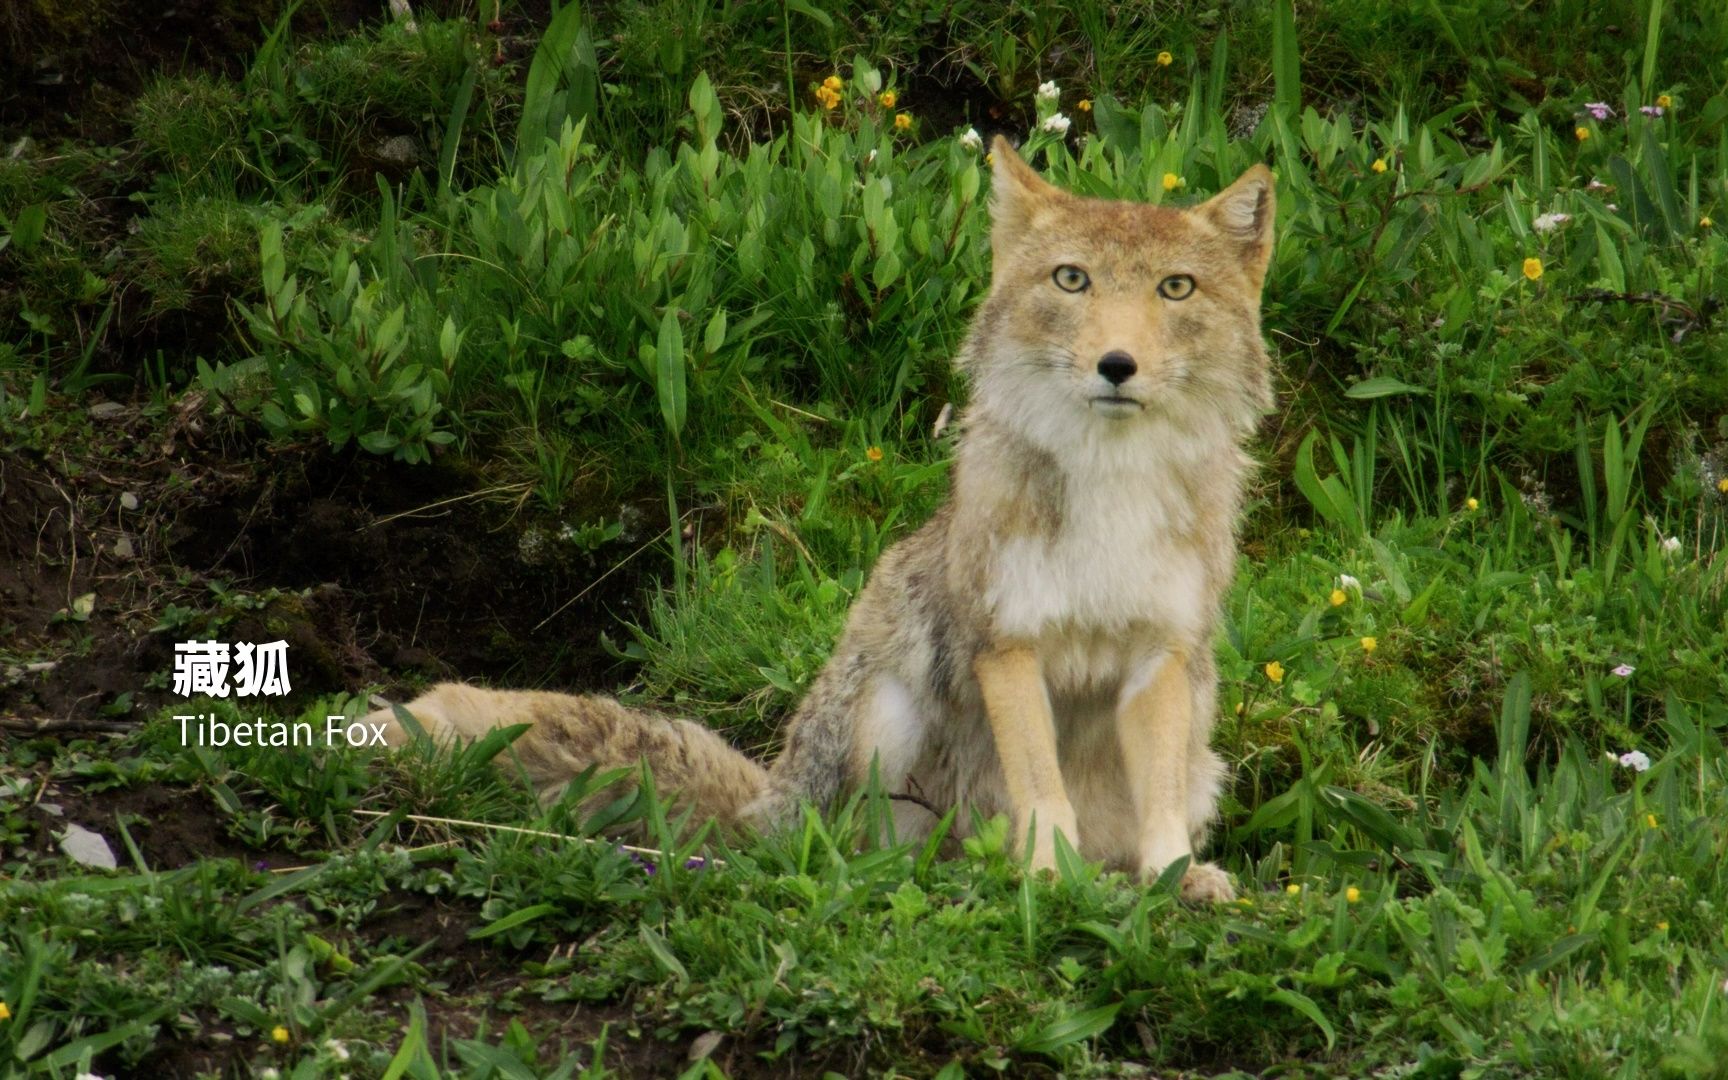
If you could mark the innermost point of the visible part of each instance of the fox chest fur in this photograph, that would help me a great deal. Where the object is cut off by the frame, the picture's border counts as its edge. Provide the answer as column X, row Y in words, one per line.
column 1100, row 563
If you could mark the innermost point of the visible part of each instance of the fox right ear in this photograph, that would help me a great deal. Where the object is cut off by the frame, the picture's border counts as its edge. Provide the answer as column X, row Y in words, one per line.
column 1016, row 191
column 1244, row 212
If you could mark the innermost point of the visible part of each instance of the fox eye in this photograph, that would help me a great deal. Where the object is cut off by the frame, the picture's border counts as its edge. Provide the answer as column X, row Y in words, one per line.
column 1070, row 278
column 1176, row 287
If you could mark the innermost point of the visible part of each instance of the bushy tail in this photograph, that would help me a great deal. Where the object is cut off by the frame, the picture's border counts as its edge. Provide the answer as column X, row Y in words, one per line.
column 694, row 768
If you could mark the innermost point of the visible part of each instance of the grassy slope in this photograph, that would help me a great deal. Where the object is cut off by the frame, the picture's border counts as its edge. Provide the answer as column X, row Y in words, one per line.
column 1447, row 871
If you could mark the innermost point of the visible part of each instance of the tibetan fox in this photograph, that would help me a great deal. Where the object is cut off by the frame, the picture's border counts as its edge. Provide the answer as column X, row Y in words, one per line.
column 1042, row 647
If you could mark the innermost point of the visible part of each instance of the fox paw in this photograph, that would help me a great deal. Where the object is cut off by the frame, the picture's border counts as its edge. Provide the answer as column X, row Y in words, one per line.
column 1206, row 883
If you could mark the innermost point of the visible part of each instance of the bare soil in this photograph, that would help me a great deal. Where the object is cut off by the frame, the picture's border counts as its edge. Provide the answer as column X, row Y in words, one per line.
column 374, row 573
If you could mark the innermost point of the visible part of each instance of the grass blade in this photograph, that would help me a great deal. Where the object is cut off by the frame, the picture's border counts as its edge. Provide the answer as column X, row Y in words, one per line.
column 1286, row 59
column 1068, row 1030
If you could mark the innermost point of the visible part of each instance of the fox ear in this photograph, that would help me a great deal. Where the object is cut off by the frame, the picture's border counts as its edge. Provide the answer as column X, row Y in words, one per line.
column 1016, row 191
column 1243, row 211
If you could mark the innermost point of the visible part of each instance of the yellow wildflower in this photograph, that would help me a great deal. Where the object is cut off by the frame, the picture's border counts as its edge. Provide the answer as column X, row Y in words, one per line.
column 989, row 159
column 1581, row 132
column 1172, row 181
column 874, row 453
column 1663, row 101
column 903, row 121
column 832, row 82
column 1275, row 671
column 827, row 96
column 1165, row 59
column 1293, row 889
column 1370, row 644
column 1663, row 925
column 1352, row 895
column 5, row 1011
column 1340, row 597
column 1084, row 104
column 1379, row 165
column 888, row 99
column 1705, row 222
column 1471, row 503
column 1650, row 821
column 1533, row 269
column 279, row 1034
column 1722, row 485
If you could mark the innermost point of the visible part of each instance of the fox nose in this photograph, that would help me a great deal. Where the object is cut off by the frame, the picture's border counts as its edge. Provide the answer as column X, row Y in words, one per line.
column 1117, row 366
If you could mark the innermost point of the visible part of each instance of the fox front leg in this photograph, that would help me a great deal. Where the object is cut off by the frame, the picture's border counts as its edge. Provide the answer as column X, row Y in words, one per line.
column 1154, row 722
column 1018, row 706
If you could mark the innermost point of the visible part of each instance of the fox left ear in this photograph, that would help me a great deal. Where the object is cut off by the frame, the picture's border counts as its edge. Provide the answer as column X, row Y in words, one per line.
column 1017, row 192
column 1243, row 211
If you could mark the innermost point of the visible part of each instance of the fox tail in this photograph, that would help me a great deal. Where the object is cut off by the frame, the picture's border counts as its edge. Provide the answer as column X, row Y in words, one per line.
column 694, row 768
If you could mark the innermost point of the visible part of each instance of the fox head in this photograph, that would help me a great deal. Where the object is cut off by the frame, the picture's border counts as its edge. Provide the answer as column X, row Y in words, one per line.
column 1107, row 318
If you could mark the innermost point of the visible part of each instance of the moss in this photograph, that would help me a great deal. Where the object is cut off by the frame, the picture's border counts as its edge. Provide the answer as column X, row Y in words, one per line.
column 66, row 20
column 400, row 79
column 206, row 248
column 190, row 125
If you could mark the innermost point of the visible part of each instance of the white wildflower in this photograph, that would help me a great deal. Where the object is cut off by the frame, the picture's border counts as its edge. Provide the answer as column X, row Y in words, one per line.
column 1671, row 545
column 1346, row 582
column 1047, row 91
column 1550, row 222
column 972, row 141
column 1635, row 760
column 1057, row 124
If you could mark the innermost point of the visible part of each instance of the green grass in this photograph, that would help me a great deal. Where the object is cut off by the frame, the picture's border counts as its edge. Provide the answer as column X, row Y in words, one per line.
column 1467, row 932
column 645, row 261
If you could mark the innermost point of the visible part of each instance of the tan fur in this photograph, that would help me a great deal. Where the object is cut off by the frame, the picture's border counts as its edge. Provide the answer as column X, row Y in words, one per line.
column 1042, row 646
column 694, row 768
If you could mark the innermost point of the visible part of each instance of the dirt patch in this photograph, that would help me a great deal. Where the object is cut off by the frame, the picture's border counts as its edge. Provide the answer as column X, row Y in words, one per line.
column 72, row 67
column 374, row 572
column 173, row 827
column 461, row 963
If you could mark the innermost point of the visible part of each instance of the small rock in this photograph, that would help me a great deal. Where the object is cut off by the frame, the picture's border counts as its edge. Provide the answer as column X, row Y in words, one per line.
column 399, row 150
column 128, row 501
column 704, row 1045
column 106, row 410
column 86, row 848
column 123, row 548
